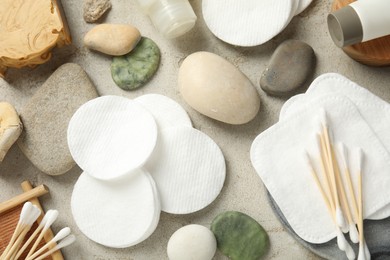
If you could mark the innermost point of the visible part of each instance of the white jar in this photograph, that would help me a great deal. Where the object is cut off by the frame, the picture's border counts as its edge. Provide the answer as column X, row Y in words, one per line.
column 172, row 18
column 361, row 21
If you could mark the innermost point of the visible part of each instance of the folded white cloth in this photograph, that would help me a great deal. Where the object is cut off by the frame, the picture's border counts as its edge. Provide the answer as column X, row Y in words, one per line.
column 277, row 154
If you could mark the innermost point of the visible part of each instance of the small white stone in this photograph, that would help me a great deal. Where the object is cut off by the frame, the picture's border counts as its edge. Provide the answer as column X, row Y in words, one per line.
column 193, row 242
column 216, row 88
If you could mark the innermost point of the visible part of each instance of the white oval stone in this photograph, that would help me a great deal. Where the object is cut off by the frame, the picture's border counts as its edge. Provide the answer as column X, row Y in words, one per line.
column 193, row 242
column 112, row 39
column 216, row 88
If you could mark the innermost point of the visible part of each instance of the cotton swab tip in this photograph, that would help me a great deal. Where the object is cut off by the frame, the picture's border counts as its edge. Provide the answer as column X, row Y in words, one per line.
column 26, row 211
column 61, row 234
column 349, row 252
column 323, row 117
column 353, row 233
column 34, row 214
column 66, row 241
column 367, row 251
column 341, row 242
column 343, row 154
column 51, row 217
column 361, row 255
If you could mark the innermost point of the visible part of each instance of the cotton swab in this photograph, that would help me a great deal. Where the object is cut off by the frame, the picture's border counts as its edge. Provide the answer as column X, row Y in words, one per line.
column 50, row 220
column 35, row 212
column 26, row 210
column 60, row 235
column 341, row 241
column 364, row 253
column 339, row 214
column 50, row 217
column 343, row 196
column 353, row 233
column 65, row 242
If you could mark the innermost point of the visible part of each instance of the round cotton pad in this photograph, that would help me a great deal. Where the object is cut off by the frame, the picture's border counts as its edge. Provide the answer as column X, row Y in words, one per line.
column 188, row 168
column 249, row 22
column 110, row 136
column 118, row 213
column 165, row 111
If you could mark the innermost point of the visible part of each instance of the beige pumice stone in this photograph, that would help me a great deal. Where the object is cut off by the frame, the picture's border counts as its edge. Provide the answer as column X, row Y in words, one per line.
column 216, row 88
column 112, row 39
column 10, row 128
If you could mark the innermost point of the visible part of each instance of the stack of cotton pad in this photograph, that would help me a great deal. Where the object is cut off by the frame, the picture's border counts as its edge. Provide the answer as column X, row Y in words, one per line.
column 250, row 22
column 139, row 157
column 357, row 118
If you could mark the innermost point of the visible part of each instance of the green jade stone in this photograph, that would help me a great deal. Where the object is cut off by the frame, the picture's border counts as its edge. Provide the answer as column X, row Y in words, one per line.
column 135, row 68
column 239, row 236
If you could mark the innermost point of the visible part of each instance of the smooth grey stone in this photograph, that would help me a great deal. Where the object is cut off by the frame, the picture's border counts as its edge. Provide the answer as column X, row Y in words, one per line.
column 376, row 233
column 46, row 116
column 290, row 66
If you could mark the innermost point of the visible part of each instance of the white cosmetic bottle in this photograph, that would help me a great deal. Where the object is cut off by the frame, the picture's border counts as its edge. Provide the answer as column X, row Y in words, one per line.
column 361, row 21
column 172, row 18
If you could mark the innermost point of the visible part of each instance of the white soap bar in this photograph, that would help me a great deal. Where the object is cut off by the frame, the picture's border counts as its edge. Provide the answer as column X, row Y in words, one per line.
column 189, row 170
column 249, row 22
column 277, row 154
column 119, row 213
column 111, row 136
column 165, row 111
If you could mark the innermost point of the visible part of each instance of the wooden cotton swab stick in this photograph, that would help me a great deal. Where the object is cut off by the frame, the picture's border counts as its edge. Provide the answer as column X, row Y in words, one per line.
column 324, row 171
column 339, row 214
column 60, row 235
column 341, row 241
column 317, row 181
column 65, row 242
column 48, row 219
column 353, row 233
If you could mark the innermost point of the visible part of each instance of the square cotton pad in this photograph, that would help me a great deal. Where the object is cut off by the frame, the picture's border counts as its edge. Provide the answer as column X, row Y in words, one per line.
column 118, row 213
column 249, row 22
column 110, row 136
column 188, row 168
column 277, row 154
column 375, row 111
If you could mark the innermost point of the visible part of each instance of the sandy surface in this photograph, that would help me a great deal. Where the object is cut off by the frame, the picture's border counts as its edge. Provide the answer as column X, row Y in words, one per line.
column 243, row 190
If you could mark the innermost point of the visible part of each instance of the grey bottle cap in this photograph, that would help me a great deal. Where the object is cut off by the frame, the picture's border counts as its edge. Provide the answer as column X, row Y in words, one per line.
column 345, row 26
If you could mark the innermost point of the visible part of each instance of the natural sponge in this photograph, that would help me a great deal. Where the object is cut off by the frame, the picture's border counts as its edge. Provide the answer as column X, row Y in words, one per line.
column 10, row 128
column 29, row 29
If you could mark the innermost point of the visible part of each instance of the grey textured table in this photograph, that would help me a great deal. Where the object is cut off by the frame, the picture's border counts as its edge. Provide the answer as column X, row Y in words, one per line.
column 243, row 190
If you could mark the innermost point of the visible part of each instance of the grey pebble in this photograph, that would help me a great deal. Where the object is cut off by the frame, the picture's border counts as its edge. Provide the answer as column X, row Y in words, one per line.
column 290, row 66
column 46, row 116
column 94, row 9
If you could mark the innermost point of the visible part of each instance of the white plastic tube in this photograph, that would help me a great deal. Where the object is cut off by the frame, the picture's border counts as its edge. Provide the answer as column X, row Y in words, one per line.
column 172, row 18
column 361, row 21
